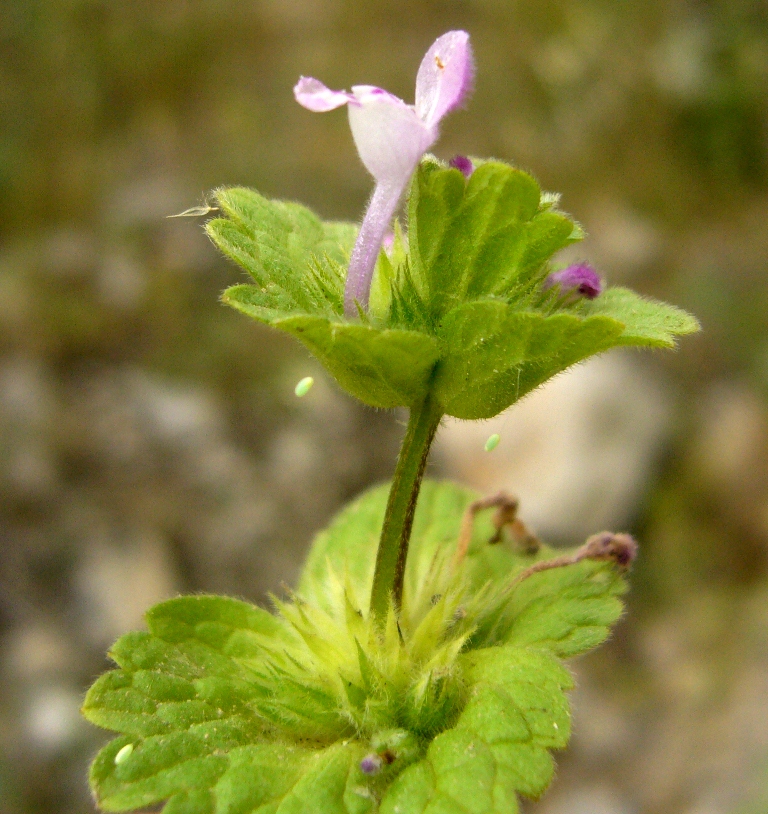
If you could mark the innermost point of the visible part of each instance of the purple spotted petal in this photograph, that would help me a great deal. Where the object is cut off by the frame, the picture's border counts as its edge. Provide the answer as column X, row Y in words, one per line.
column 371, row 93
column 580, row 278
column 315, row 96
column 445, row 76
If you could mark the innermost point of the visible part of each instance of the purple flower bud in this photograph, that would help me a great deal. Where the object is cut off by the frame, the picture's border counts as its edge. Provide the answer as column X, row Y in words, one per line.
column 580, row 278
column 621, row 548
column 371, row 764
column 462, row 164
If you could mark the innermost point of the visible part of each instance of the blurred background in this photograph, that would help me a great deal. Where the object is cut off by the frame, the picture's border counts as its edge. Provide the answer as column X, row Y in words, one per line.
column 150, row 441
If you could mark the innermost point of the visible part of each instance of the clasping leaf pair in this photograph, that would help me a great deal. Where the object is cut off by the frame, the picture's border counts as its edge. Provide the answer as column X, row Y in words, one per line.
column 461, row 308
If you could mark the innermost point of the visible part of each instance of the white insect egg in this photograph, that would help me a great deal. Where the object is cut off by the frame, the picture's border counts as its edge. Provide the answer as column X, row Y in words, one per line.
column 123, row 754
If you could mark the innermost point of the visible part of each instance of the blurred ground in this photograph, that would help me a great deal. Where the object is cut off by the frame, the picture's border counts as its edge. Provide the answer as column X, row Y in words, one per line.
column 150, row 442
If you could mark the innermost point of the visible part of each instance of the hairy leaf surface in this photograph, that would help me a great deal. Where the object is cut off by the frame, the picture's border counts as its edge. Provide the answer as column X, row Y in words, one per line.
column 459, row 307
column 229, row 709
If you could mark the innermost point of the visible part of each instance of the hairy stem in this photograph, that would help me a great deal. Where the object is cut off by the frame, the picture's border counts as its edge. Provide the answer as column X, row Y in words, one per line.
column 388, row 577
column 377, row 220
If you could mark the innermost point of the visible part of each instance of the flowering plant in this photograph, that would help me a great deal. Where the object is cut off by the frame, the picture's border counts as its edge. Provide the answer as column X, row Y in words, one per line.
column 417, row 668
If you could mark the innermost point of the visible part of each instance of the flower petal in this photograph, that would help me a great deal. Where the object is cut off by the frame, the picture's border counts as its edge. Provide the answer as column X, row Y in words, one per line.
column 314, row 95
column 370, row 93
column 389, row 136
column 445, row 76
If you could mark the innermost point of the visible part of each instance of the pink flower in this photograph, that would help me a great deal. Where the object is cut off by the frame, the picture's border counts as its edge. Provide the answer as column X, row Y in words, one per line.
column 391, row 137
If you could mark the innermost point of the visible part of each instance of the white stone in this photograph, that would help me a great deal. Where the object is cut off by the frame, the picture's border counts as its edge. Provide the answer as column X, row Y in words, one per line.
column 577, row 452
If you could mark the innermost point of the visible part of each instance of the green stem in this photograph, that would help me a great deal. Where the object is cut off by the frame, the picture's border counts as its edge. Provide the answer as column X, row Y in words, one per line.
column 388, row 577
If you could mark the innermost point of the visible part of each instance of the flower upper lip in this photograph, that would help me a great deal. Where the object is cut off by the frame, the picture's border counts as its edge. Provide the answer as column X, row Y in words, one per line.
column 391, row 137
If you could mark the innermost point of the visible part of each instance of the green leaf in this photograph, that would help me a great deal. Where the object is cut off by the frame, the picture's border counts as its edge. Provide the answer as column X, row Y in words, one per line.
column 348, row 546
column 499, row 746
column 293, row 780
column 382, row 368
column 229, row 709
column 461, row 298
column 555, row 343
column 184, row 699
column 201, row 778
column 542, row 237
column 486, row 344
column 494, row 355
column 646, row 321
column 565, row 610
column 294, row 258
column 488, row 235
